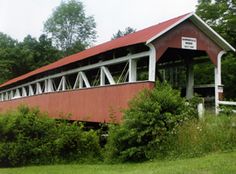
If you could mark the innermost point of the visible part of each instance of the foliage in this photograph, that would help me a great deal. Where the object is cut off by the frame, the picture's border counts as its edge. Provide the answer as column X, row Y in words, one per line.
column 33, row 53
column 8, row 52
column 229, row 76
column 120, row 33
column 204, row 73
column 28, row 136
column 152, row 116
column 220, row 14
column 71, row 30
column 198, row 137
column 17, row 58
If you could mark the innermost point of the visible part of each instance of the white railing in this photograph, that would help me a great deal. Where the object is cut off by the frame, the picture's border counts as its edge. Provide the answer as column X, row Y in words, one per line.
column 228, row 103
column 47, row 84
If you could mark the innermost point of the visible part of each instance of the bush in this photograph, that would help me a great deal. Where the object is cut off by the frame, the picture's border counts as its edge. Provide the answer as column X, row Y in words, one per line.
column 198, row 137
column 28, row 136
column 152, row 117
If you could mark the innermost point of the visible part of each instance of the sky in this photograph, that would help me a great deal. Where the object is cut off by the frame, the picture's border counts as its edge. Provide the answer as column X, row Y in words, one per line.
column 18, row 18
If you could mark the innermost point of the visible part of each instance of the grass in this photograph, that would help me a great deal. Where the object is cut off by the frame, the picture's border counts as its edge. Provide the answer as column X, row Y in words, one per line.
column 217, row 163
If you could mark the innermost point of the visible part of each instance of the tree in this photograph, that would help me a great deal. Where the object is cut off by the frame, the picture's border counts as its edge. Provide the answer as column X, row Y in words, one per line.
column 17, row 58
column 71, row 30
column 221, row 16
column 33, row 53
column 120, row 33
column 7, row 56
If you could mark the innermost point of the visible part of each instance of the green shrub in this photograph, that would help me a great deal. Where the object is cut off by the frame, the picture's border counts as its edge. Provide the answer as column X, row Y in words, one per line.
column 198, row 137
column 28, row 136
column 152, row 116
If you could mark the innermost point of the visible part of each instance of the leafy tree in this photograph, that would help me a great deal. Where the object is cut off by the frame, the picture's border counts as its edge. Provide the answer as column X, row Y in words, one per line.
column 39, row 52
column 221, row 16
column 71, row 30
column 120, row 33
column 7, row 56
column 17, row 58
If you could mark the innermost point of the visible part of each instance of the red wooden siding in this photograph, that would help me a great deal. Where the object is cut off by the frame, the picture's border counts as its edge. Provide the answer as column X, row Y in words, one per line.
column 91, row 104
column 172, row 39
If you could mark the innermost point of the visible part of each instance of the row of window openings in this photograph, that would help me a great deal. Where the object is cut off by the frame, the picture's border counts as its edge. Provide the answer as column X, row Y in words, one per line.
column 91, row 78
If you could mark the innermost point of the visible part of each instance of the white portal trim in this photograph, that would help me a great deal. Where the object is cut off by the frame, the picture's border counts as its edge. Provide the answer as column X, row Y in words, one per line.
column 218, row 80
column 169, row 28
column 215, row 36
column 203, row 26
column 152, row 63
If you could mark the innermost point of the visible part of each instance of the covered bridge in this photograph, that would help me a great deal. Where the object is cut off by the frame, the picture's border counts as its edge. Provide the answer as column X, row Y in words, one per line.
column 97, row 82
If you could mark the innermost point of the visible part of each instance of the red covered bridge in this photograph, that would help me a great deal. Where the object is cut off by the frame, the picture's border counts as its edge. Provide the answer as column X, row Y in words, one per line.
column 94, row 83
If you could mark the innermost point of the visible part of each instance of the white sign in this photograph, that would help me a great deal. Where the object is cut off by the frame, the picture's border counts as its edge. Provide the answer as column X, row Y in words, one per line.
column 189, row 43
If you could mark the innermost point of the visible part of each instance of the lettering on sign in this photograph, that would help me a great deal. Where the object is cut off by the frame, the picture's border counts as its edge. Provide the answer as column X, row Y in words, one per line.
column 189, row 43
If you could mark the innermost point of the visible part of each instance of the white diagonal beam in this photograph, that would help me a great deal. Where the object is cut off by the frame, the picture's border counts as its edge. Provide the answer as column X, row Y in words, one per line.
column 17, row 94
column 38, row 88
column 31, row 91
column 85, row 79
column 106, row 73
column 24, row 93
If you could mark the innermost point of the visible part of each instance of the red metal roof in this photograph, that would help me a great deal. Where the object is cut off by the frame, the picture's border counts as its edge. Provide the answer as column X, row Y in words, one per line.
column 141, row 36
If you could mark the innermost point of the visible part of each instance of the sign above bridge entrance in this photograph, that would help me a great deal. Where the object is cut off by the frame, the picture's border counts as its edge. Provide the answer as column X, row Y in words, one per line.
column 189, row 43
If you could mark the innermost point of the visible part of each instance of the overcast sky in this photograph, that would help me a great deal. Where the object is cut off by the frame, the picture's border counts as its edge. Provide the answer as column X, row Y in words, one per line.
column 19, row 18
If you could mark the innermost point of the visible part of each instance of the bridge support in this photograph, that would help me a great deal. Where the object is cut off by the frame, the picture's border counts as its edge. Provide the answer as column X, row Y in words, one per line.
column 218, row 85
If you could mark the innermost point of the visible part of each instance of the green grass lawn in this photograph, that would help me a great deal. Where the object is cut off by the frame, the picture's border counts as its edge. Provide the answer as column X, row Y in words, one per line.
column 211, row 164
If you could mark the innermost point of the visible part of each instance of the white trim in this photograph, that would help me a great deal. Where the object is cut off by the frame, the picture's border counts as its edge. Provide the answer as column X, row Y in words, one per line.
column 81, row 77
column 24, row 93
column 208, row 30
column 17, row 94
column 220, row 54
column 85, row 79
column 227, row 103
column 60, row 85
column 102, row 77
column 78, row 78
column 11, row 94
column 152, row 63
column 106, row 71
column 221, row 39
column 63, row 80
column 218, row 80
column 6, row 97
column 31, row 91
column 2, row 97
column 50, row 85
column 38, row 88
column 132, row 70
column 169, row 28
